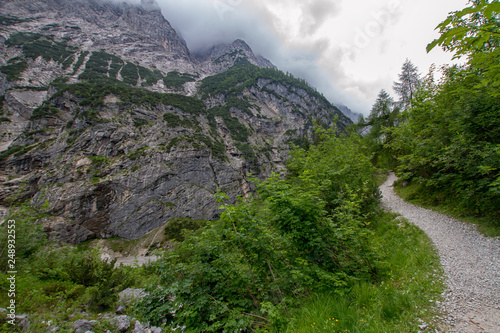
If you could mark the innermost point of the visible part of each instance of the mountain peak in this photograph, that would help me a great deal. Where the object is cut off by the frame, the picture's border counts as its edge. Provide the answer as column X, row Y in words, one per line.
column 223, row 56
column 240, row 43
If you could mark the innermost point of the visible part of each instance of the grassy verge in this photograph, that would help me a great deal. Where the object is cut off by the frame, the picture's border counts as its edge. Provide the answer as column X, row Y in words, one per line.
column 404, row 297
column 57, row 283
column 60, row 301
column 412, row 193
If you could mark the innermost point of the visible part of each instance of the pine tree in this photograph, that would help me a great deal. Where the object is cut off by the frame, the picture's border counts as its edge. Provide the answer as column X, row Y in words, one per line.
column 376, row 129
column 383, row 115
column 409, row 81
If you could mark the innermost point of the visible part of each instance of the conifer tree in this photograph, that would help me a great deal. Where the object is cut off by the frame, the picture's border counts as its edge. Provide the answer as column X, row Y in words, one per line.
column 409, row 81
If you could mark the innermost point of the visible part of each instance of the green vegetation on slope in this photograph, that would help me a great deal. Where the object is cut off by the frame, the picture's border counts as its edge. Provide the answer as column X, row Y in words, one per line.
column 176, row 80
column 92, row 93
column 102, row 63
column 13, row 71
column 12, row 20
column 36, row 45
column 244, row 75
column 109, row 65
column 316, row 232
column 409, row 283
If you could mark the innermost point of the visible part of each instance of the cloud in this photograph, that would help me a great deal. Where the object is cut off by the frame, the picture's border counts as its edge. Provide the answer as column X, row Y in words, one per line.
column 316, row 12
column 204, row 23
column 348, row 50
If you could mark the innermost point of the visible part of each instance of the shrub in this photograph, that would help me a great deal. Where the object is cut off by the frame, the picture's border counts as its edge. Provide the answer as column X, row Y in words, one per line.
column 13, row 71
column 43, row 111
column 174, row 230
column 174, row 120
column 297, row 236
column 176, row 80
column 130, row 74
column 101, row 281
column 29, row 237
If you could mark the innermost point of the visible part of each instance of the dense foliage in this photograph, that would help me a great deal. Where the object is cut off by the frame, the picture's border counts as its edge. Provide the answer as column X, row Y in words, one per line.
column 449, row 140
column 36, row 45
column 56, row 281
column 176, row 80
column 376, row 129
column 297, row 236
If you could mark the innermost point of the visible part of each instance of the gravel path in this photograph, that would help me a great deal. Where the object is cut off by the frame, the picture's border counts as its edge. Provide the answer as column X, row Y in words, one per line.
column 470, row 261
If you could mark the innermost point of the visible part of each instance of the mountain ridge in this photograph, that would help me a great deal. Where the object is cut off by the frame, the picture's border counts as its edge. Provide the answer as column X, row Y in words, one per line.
column 117, row 135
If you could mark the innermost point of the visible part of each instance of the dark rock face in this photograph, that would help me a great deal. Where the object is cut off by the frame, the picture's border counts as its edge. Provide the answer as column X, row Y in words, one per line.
column 113, row 166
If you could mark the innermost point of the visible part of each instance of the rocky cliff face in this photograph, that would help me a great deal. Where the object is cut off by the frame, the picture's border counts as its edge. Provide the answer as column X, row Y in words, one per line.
column 112, row 128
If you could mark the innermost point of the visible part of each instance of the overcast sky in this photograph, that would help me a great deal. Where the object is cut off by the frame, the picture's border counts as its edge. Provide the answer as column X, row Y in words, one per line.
column 348, row 50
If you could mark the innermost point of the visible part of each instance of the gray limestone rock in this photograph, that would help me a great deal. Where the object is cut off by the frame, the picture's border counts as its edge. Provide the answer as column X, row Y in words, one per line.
column 122, row 323
column 138, row 328
column 128, row 296
column 82, row 325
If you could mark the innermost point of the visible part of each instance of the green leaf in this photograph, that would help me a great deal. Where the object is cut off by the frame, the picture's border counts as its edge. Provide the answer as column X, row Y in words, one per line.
column 432, row 45
column 492, row 9
column 467, row 11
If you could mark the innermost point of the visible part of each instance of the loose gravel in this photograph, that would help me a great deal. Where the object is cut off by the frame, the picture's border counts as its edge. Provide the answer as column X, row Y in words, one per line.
column 471, row 263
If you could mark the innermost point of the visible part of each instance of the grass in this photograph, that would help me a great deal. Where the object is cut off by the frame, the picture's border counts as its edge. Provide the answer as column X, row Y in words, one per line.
column 411, row 281
column 412, row 193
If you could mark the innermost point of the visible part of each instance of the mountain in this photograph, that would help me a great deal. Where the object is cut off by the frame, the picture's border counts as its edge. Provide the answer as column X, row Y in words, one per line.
column 113, row 128
column 223, row 56
column 354, row 116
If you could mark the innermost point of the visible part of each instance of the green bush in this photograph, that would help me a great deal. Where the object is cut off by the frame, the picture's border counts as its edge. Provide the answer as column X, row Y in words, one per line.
column 16, row 151
column 92, row 94
column 43, row 111
column 22, row 38
column 137, row 153
column 11, row 20
column 99, row 62
column 13, row 71
column 174, row 230
column 150, row 76
column 130, row 74
column 80, row 61
column 101, row 281
column 266, row 254
column 449, row 140
column 177, row 80
column 239, row 132
column 174, row 120
column 138, row 122
column 50, row 50
column 29, row 237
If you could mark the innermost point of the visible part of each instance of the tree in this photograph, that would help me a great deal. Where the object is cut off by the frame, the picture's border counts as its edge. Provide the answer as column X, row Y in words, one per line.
column 450, row 140
column 474, row 32
column 409, row 81
column 383, row 117
column 471, row 30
